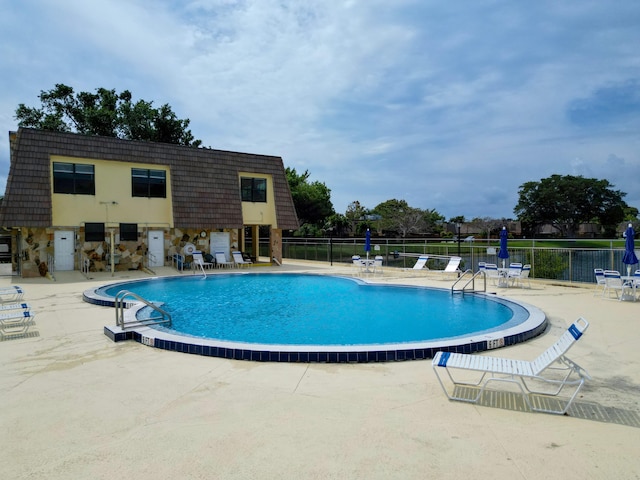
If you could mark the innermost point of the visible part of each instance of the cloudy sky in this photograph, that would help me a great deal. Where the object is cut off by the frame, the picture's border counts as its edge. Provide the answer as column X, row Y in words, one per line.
column 448, row 105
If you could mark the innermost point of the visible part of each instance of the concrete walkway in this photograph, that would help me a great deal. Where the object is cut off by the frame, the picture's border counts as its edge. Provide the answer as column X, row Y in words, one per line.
column 77, row 406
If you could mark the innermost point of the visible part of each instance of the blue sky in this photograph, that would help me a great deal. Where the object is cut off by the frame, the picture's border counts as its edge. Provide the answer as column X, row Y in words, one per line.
column 448, row 105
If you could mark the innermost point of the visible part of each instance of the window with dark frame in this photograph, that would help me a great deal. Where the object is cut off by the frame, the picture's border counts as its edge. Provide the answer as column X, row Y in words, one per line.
column 253, row 189
column 148, row 183
column 74, row 178
column 128, row 232
column 94, row 232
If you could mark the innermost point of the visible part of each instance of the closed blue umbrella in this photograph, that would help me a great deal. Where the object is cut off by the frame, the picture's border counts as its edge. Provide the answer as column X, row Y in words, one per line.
column 367, row 242
column 629, row 258
column 503, row 253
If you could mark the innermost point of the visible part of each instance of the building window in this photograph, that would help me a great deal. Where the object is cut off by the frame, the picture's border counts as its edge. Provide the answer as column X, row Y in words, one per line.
column 148, row 183
column 253, row 189
column 74, row 178
column 128, row 232
column 94, row 232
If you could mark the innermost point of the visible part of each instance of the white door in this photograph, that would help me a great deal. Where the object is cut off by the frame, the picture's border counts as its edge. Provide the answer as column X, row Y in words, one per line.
column 64, row 248
column 155, row 240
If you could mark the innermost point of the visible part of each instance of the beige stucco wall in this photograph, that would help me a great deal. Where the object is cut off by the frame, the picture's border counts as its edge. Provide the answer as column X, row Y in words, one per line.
column 113, row 184
column 260, row 213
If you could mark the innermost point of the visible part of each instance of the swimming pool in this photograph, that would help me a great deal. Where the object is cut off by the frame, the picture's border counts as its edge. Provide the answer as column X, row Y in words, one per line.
column 305, row 317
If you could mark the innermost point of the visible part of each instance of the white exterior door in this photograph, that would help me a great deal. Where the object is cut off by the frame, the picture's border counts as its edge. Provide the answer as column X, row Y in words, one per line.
column 64, row 247
column 155, row 240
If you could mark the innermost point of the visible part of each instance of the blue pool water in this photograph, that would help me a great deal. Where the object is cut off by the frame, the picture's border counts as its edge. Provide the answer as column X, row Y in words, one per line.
column 299, row 309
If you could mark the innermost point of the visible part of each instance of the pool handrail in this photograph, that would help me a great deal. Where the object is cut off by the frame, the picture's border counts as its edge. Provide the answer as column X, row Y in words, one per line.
column 120, row 305
column 471, row 281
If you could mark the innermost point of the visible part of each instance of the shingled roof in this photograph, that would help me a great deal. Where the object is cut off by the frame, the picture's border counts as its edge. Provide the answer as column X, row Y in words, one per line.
column 204, row 181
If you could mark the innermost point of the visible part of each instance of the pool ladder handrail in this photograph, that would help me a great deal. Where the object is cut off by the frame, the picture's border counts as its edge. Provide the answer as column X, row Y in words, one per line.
column 120, row 306
column 470, row 281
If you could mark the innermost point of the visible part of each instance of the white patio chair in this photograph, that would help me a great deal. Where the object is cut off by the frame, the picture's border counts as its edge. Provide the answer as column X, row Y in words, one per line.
column 615, row 284
column 600, row 281
column 492, row 273
column 377, row 264
column 358, row 264
column 515, row 269
column 546, row 376
column 524, row 276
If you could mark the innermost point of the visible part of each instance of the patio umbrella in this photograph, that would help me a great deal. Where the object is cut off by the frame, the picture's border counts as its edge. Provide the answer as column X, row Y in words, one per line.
column 629, row 258
column 503, row 253
column 367, row 243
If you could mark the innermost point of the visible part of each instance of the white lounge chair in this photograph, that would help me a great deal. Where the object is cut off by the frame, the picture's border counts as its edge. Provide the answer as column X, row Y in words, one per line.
column 11, row 294
column 221, row 260
column 15, row 323
column 421, row 263
column 451, row 268
column 547, row 376
column 239, row 260
column 198, row 259
column 15, row 306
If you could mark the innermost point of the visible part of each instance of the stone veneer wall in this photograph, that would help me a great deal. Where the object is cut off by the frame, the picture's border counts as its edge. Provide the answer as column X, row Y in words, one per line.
column 276, row 244
column 36, row 250
column 37, row 247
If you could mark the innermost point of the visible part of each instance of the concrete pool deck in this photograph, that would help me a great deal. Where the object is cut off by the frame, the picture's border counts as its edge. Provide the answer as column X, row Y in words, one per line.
column 77, row 405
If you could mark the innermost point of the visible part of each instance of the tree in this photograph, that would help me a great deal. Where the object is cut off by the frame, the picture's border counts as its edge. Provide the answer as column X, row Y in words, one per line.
column 355, row 214
column 311, row 200
column 487, row 225
column 567, row 201
column 432, row 221
column 338, row 224
column 105, row 113
column 398, row 216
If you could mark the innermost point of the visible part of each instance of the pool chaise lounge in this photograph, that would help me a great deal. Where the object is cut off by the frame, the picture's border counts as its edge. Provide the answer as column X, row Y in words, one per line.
column 11, row 294
column 239, row 260
column 15, row 322
column 550, row 373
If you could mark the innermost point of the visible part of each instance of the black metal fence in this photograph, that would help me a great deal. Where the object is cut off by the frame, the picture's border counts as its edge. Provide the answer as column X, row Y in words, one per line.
column 570, row 264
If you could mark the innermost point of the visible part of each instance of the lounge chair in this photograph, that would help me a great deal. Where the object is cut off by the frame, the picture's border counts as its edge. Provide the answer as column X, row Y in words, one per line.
column 452, row 267
column 239, row 260
column 542, row 372
column 421, row 263
column 221, row 261
column 198, row 259
column 11, row 294
column 15, row 306
column 15, row 323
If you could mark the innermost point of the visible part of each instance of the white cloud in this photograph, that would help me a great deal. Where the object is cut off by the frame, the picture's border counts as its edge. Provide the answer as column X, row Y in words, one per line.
column 447, row 106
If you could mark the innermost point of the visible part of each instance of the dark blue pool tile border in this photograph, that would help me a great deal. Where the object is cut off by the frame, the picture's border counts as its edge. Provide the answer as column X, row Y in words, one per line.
column 343, row 356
